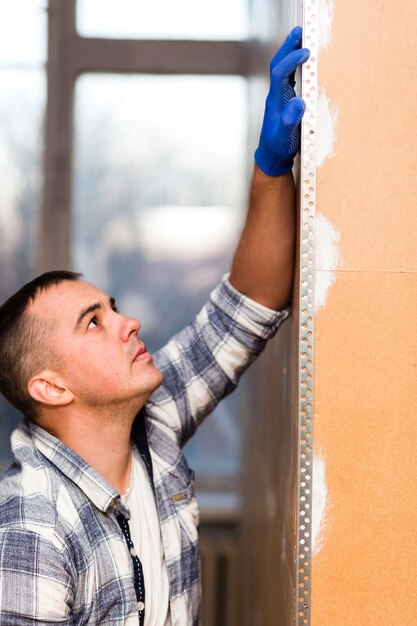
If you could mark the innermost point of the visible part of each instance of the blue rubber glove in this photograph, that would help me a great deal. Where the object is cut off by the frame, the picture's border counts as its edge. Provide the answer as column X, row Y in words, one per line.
column 280, row 136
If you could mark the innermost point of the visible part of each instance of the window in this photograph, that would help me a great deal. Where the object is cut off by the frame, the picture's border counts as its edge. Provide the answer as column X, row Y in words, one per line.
column 159, row 140
column 179, row 19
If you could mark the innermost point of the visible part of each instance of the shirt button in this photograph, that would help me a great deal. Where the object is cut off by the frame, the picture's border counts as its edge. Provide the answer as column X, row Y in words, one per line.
column 141, row 606
column 133, row 552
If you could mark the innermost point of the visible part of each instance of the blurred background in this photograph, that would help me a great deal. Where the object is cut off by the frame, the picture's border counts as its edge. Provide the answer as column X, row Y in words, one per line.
column 126, row 138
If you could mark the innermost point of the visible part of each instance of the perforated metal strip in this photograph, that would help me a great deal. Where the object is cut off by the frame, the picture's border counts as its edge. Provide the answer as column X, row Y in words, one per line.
column 306, row 315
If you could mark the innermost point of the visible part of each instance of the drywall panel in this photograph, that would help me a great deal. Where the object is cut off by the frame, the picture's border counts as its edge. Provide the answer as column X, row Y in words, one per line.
column 364, row 442
column 364, row 504
column 367, row 131
column 364, row 365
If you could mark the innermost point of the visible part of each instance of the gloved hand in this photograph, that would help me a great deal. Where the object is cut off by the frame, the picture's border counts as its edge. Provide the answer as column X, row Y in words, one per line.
column 279, row 140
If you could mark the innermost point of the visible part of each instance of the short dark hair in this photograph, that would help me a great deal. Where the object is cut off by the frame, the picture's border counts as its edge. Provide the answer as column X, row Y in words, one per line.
column 24, row 341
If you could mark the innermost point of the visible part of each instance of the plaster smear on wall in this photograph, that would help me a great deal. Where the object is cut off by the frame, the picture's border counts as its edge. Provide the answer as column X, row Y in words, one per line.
column 328, row 258
column 326, row 12
column 319, row 505
column 327, row 117
column 327, row 237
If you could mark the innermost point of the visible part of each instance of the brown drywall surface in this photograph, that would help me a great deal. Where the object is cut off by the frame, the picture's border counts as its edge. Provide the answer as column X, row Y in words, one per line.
column 369, row 185
column 365, row 369
column 365, row 430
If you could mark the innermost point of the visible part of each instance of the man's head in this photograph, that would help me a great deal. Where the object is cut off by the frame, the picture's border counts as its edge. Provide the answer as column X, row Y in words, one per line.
column 63, row 340
column 24, row 341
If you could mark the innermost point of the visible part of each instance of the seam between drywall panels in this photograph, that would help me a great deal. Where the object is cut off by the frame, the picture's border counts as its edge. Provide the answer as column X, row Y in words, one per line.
column 347, row 271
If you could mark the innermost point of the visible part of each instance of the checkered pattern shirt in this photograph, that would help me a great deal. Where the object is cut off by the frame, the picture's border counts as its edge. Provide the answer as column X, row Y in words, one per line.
column 63, row 556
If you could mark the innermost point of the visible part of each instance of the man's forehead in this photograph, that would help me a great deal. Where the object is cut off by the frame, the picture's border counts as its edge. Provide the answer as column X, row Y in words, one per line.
column 67, row 296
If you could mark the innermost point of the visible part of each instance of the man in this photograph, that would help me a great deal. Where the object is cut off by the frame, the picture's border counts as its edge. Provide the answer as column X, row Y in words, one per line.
column 98, row 519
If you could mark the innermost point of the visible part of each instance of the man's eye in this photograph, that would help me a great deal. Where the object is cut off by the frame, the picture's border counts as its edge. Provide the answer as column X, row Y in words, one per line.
column 93, row 323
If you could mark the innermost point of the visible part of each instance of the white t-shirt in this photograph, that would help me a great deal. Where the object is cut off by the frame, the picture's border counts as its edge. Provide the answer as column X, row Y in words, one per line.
column 146, row 536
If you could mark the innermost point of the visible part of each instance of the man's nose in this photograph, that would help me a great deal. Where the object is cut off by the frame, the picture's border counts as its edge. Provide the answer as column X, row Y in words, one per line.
column 131, row 326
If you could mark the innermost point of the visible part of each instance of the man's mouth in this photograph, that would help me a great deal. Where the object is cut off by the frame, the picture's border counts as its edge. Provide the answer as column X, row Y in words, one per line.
column 142, row 354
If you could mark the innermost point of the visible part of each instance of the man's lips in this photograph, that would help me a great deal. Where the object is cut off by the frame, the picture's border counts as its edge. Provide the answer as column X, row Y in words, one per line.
column 142, row 354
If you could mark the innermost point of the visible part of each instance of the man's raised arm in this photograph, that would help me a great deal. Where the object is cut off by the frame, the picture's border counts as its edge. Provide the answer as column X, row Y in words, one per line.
column 263, row 264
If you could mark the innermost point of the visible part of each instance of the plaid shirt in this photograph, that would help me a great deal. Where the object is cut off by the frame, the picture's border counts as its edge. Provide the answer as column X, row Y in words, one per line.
column 63, row 556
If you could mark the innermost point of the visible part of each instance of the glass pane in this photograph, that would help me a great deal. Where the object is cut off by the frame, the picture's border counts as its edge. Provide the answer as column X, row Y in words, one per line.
column 23, row 28
column 21, row 128
column 159, row 185
column 188, row 19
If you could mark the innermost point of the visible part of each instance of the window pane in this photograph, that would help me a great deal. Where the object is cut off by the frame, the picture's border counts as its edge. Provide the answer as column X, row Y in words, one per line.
column 188, row 19
column 23, row 32
column 159, row 184
column 20, row 172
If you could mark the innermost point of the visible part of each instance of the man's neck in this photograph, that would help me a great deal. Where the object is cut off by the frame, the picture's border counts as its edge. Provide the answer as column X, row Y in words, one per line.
column 101, row 439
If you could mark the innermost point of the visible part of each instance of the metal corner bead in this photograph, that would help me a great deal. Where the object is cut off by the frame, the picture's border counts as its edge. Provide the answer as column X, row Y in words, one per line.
column 308, row 174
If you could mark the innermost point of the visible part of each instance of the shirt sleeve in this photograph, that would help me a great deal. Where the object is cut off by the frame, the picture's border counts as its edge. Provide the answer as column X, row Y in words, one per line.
column 203, row 363
column 34, row 583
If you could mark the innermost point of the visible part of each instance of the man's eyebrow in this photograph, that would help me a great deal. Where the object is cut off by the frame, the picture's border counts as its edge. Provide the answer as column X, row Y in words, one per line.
column 89, row 309
column 97, row 306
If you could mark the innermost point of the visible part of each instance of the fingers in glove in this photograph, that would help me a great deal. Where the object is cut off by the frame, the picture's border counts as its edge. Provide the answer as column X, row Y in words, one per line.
column 289, row 121
column 292, row 42
column 293, row 112
column 289, row 64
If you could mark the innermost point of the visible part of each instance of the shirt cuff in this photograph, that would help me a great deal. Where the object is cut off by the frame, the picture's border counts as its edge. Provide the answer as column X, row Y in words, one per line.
column 255, row 317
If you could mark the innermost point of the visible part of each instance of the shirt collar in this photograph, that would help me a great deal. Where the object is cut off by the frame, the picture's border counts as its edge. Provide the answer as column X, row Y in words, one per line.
column 93, row 485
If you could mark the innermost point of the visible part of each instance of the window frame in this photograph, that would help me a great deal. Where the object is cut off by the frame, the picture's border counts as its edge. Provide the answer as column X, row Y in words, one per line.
column 70, row 55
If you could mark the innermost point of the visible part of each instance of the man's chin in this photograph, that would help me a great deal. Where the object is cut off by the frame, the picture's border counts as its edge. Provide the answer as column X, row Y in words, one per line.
column 160, row 380
column 154, row 384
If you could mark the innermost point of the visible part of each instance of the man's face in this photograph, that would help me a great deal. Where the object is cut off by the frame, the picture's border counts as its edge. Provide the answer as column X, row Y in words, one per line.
column 100, row 357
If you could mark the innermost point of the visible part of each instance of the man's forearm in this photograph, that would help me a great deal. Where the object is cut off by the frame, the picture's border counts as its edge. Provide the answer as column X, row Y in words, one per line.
column 263, row 264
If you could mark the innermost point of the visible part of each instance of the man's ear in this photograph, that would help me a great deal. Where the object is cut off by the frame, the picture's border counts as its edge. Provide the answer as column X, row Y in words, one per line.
column 48, row 388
